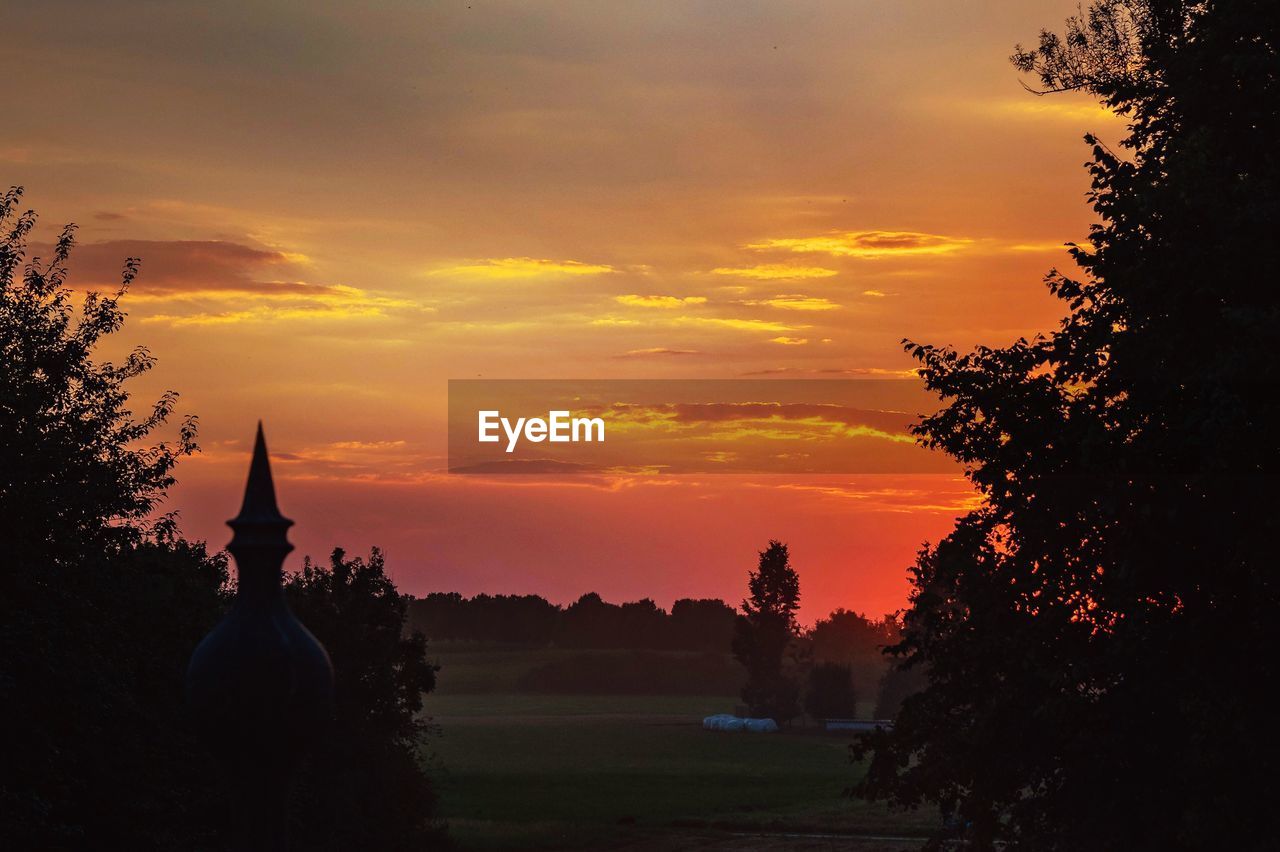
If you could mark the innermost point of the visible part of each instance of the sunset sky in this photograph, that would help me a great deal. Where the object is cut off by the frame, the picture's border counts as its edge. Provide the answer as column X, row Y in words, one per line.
column 339, row 210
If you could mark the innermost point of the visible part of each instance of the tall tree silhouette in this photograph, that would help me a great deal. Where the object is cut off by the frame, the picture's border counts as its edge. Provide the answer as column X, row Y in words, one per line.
column 765, row 631
column 1097, row 635
column 100, row 603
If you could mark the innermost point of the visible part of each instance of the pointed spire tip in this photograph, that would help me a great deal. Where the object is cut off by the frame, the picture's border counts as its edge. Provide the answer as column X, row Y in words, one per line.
column 259, row 504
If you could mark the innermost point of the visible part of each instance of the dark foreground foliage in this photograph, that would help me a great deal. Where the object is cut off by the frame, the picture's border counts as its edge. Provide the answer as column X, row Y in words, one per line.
column 101, row 604
column 1099, row 635
column 364, row 787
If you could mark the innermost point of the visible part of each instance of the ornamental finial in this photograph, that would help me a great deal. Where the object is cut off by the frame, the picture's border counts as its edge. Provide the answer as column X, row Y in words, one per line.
column 259, row 525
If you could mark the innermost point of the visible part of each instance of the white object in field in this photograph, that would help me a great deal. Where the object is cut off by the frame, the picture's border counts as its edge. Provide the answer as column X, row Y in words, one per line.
column 760, row 726
column 727, row 722
column 716, row 722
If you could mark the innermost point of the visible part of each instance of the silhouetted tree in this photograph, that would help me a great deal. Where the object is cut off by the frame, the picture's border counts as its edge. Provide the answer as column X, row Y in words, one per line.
column 590, row 622
column 365, row 786
column 846, row 637
column 1097, row 635
column 705, row 624
column 853, row 640
column 764, row 633
column 830, row 693
column 100, row 602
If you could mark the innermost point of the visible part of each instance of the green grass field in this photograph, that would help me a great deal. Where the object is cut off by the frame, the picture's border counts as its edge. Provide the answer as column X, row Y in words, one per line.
column 560, row 771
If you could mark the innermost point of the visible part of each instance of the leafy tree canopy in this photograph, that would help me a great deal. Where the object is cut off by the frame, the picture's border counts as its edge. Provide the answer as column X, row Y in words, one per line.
column 365, row 786
column 78, row 473
column 100, row 602
column 1095, row 633
column 774, row 587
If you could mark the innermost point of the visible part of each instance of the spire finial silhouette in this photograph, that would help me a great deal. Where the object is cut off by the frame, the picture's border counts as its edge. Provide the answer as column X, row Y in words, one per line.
column 259, row 504
column 259, row 525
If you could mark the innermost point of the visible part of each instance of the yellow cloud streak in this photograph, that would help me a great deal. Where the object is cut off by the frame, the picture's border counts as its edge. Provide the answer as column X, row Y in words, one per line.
column 1052, row 108
column 502, row 268
column 772, row 427
column 738, row 324
column 334, row 293
column 337, row 302
column 706, row 322
column 265, row 315
column 775, row 272
column 904, row 501
column 796, row 302
column 810, row 429
column 666, row 302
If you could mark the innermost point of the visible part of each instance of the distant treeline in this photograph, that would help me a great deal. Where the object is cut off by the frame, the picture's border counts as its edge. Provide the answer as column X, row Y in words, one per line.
column 640, row 648
column 704, row 624
column 590, row 622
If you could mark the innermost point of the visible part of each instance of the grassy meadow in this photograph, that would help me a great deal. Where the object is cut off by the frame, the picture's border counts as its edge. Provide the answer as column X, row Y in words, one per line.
column 519, row 770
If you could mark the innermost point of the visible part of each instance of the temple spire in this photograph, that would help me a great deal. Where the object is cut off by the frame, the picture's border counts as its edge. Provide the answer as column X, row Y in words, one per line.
column 259, row 685
column 259, row 526
column 259, row 504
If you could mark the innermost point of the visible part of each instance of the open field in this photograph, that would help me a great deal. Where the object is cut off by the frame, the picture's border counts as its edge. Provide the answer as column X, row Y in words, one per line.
column 636, row 772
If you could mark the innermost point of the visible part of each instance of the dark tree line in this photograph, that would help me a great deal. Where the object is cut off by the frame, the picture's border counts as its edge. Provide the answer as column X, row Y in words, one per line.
column 589, row 622
column 1098, row 638
column 778, row 667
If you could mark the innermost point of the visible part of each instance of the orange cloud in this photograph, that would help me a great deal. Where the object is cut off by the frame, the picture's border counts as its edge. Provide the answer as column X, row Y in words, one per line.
column 657, row 352
column 834, row 371
column 185, row 267
column 867, row 244
column 825, row 418
column 222, row 282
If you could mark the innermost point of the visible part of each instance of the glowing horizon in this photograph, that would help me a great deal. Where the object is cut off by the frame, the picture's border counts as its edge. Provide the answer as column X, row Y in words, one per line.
column 343, row 212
